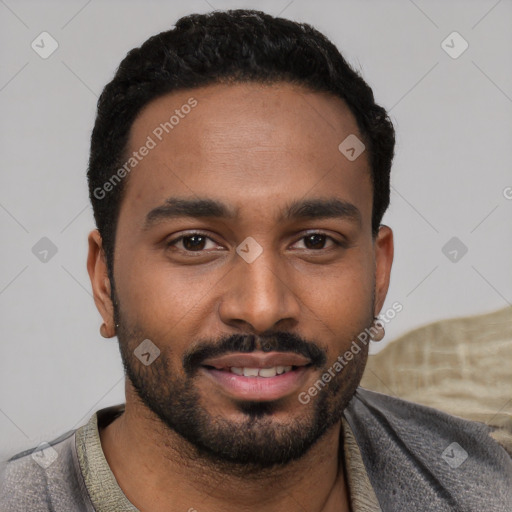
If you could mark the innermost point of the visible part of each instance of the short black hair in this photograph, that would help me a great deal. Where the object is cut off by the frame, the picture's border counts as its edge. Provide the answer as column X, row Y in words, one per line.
column 227, row 47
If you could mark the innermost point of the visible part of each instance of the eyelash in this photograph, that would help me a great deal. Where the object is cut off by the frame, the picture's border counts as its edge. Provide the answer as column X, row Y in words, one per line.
column 173, row 242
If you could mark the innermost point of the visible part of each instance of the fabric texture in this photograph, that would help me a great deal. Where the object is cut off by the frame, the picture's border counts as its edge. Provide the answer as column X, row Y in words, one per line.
column 422, row 459
column 394, row 452
column 29, row 485
column 102, row 488
column 457, row 365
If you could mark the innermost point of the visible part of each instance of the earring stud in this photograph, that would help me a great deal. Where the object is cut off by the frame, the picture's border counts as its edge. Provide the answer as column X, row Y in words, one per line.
column 379, row 333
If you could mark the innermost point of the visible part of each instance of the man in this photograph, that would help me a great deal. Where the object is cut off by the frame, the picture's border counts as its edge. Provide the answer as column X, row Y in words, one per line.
column 239, row 172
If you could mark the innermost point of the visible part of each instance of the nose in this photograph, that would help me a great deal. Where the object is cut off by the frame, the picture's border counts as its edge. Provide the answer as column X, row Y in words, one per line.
column 260, row 296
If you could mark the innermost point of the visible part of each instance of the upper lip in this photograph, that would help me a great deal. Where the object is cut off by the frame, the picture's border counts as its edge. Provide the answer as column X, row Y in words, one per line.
column 257, row 360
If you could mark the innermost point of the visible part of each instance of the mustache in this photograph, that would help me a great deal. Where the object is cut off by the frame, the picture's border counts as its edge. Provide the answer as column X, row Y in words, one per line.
column 279, row 341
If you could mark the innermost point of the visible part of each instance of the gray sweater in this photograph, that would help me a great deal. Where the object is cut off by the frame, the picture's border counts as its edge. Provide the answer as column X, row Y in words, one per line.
column 415, row 459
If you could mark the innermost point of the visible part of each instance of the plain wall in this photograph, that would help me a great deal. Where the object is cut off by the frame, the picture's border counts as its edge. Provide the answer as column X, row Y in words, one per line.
column 451, row 176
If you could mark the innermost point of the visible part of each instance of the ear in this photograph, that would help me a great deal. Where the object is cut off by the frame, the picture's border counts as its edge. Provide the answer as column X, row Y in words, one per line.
column 384, row 250
column 98, row 274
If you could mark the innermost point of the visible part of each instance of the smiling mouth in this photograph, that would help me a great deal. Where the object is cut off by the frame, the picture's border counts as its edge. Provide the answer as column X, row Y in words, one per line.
column 260, row 376
column 270, row 371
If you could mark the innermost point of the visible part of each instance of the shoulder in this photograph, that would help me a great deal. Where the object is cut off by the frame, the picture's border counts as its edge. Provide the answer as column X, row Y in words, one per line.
column 41, row 479
column 418, row 454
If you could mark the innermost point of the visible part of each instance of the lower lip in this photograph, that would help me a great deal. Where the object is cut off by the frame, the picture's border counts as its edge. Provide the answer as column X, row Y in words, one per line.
column 258, row 388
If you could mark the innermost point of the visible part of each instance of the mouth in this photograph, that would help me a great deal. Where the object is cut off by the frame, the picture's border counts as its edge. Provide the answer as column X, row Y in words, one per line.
column 266, row 373
column 258, row 376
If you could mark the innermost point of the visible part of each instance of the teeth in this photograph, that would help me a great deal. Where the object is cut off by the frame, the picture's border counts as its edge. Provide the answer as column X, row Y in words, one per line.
column 268, row 372
column 261, row 372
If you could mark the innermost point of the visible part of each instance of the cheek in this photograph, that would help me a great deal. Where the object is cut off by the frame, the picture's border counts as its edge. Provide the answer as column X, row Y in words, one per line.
column 152, row 294
column 168, row 305
column 342, row 301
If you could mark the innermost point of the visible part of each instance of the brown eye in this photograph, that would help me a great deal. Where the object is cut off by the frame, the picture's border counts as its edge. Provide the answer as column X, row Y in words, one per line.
column 193, row 242
column 317, row 241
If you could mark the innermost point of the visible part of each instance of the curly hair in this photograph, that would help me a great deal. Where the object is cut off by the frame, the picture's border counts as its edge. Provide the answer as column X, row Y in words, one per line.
column 228, row 47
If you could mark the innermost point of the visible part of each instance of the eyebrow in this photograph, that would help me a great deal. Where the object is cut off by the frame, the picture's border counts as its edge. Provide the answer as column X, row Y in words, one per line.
column 331, row 208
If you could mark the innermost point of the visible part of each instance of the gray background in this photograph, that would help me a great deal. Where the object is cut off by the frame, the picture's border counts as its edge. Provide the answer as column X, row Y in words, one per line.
column 451, row 175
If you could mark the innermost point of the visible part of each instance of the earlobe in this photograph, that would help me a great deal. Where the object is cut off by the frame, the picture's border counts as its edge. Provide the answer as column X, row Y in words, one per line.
column 100, row 282
column 106, row 332
column 384, row 250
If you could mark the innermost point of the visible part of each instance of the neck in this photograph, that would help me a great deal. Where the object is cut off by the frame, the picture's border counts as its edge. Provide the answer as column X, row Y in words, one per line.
column 162, row 471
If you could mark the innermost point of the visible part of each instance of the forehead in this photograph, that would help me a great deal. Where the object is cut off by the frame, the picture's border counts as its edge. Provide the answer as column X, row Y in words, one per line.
column 245, row 145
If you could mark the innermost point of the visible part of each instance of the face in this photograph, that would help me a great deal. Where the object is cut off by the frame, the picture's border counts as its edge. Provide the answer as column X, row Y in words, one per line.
column 244, row 253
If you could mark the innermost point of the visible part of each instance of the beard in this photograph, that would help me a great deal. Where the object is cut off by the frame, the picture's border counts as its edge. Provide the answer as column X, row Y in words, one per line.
column 256, row 439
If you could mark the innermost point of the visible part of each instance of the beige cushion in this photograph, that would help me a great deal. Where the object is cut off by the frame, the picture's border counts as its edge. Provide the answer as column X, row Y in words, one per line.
column 462, row 366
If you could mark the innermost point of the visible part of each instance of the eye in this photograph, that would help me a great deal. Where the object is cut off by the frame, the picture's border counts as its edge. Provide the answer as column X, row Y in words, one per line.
column 198, row 242
column 191, row 242
column 317, row 240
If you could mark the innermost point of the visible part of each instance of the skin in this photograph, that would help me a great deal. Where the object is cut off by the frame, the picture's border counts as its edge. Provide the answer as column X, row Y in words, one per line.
column 255, row 148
